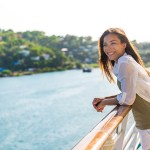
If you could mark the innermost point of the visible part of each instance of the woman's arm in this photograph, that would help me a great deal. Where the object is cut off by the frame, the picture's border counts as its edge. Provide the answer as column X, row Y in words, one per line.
column 107, row 101
column 100, row 103
column 111, row 96
column 96, row 101
column 110, row 101
column 128, row 76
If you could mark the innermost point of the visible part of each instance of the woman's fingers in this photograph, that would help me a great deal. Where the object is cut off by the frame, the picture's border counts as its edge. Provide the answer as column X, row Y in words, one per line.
column 100, row 109
column 100, row 106
column 97, row 104
column 96, row 101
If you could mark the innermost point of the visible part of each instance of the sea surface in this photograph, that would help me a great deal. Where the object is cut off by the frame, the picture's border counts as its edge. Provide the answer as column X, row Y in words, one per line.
column 50, row 111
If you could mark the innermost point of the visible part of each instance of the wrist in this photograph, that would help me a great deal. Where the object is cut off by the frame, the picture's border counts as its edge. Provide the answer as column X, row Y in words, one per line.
column 103, row 102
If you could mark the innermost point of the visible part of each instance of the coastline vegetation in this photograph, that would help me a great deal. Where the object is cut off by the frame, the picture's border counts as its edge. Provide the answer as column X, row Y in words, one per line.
column 30, row 52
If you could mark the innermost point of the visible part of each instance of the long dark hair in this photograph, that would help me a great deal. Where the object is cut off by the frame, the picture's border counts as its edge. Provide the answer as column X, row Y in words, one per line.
column 104, row 62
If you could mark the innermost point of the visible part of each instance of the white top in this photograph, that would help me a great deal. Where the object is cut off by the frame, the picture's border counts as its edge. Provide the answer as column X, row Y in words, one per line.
column 134, row 79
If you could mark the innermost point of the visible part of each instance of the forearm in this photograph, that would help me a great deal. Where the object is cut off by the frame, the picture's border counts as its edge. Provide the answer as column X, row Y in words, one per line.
column 106, row 101
column 111, row 96
column 110, row 101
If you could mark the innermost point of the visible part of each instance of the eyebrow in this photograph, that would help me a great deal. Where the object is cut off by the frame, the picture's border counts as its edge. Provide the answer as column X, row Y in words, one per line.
column 111, row 41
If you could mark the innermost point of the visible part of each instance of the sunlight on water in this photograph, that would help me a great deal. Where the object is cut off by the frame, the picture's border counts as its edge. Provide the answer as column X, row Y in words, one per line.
column 50, row 111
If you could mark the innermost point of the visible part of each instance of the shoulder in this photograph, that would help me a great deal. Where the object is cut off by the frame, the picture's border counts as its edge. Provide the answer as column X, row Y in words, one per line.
column 125, row 59
column 125, row 63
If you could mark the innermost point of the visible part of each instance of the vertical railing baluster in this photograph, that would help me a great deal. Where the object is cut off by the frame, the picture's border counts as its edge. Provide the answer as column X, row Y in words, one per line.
column 119, row 143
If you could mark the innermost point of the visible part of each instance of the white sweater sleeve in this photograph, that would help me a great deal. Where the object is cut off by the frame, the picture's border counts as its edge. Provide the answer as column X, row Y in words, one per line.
column 127, row 75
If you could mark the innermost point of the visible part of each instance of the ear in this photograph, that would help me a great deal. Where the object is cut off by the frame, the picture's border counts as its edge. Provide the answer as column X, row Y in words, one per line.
column 124, row 45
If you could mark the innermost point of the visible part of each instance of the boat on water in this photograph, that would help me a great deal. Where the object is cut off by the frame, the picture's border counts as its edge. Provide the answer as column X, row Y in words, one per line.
column 86, row 69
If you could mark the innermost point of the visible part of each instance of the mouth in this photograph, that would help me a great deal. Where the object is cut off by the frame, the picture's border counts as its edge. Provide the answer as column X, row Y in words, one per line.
column 109, row 54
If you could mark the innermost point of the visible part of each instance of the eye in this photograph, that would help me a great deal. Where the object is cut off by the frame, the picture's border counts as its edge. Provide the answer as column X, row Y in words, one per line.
column 113, row 43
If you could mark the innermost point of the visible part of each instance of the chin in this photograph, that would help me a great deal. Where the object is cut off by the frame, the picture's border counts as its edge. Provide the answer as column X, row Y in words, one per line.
column 110, row 58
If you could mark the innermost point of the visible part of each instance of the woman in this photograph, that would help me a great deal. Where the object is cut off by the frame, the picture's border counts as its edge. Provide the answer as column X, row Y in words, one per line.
column 119, row 56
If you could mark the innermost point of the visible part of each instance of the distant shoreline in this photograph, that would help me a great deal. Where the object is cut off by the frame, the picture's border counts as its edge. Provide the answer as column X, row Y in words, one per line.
column 23, row 73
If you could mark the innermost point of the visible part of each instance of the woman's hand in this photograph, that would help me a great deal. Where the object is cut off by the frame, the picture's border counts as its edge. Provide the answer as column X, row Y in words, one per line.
column 98, row 105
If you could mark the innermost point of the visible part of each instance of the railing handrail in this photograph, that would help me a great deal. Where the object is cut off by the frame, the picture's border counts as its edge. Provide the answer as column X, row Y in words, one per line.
column 98, row 136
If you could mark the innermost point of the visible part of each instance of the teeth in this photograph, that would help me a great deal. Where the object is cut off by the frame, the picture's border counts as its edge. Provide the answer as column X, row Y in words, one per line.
column 110, row 53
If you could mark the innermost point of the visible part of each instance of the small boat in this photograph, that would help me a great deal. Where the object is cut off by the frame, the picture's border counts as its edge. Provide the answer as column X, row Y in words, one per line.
column 87, row 69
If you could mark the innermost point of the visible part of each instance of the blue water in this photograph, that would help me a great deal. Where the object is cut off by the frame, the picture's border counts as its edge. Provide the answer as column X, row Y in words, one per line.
column 50, row 111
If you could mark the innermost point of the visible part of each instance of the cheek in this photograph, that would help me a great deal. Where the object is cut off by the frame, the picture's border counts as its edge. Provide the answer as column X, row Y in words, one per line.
column 123, row 50
column 120, row 49
column 104, row 50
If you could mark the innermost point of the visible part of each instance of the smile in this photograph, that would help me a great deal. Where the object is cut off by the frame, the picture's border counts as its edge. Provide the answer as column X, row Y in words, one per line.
column 110, row 53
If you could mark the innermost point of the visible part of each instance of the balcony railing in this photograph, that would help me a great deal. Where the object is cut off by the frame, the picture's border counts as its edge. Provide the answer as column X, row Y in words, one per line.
column 114, row 132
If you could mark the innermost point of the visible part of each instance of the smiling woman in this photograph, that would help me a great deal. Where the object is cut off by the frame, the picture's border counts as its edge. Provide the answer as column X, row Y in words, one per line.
column 113, row 47
column 119, row 56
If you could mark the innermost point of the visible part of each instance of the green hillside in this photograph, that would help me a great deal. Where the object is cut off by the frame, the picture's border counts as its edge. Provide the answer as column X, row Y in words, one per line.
column 32, row 52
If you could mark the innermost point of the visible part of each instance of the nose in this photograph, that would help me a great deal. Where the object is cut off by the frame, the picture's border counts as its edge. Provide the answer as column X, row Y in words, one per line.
column 108, row 48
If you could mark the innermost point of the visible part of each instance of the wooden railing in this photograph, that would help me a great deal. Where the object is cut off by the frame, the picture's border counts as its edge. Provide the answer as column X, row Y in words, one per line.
column 109, row 134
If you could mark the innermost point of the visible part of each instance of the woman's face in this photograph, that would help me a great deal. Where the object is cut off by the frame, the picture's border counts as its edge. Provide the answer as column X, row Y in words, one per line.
column 113, row 47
